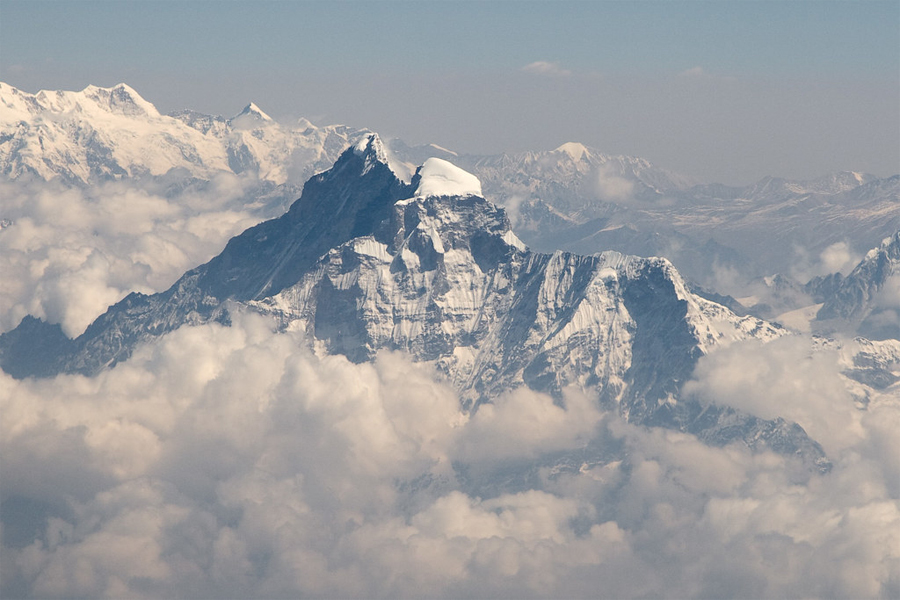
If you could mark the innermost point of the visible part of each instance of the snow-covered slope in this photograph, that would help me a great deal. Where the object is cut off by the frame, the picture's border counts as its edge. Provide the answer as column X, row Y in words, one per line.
column 99, row 134
column 364, row 261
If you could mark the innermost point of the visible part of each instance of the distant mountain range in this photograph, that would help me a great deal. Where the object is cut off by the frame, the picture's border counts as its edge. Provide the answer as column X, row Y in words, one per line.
column 99, row 134
column 572, row 198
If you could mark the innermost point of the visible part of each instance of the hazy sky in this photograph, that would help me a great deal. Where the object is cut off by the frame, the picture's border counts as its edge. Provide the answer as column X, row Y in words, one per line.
column 723, row 91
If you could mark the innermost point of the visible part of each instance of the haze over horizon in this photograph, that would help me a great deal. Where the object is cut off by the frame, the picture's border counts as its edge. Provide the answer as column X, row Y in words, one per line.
column 725, row 93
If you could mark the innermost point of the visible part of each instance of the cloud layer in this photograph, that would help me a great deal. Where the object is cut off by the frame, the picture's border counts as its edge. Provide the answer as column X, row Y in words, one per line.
column 68, row 253
column 233, row 462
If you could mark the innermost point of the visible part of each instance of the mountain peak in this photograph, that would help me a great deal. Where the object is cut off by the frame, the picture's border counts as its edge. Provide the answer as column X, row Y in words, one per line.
column 371, row 145
column 371, row 149
column 253, row 110
column 868, row 297
column 437, row 177
column 842, row 181
column 889, row 248
column 575, row 150
column 120, row 99
column 252, row 117
column 303, row 124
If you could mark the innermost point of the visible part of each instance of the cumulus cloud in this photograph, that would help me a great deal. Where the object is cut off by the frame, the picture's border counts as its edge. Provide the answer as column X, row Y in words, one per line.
column 232, row 461
column 788, row 377
column 513, row 205
column 838, row 258
column 835, row 258
column 68, row 253
column 497, row 429
column 543, row 67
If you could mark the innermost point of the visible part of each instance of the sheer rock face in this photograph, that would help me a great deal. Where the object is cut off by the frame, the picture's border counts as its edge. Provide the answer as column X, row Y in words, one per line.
column 448, row 282
column 363, row 262
column 343, row 202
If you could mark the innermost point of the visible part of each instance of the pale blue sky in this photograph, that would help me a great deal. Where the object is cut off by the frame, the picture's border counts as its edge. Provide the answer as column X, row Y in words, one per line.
column 725, row 91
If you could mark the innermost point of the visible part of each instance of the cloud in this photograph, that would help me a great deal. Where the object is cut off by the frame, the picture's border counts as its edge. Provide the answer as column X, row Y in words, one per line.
column 698, row 73
column 612, row 187
column 835, row 258
column 838, row 258
column 497, row 429
column 694, row 72
column 66, row 254
column 232, row 461
column 543, row 67
column 790, row 377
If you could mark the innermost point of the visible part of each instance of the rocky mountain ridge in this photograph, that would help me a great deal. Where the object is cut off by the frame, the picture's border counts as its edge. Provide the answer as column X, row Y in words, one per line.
column 867, row 301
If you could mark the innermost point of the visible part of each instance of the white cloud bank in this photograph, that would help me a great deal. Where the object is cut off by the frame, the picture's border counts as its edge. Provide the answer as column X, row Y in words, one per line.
column 66, row 253
column 785, row 378
column 835, row 258
column 232, row 462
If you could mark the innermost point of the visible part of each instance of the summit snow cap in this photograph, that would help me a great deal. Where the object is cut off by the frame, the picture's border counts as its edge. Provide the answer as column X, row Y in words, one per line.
column 371, row 149
column 574, row 150
column 371, row 146
column 438, row 177
column 252, row 117
column 253, row 110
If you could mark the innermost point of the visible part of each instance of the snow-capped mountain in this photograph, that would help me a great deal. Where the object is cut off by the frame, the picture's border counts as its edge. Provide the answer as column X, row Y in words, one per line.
column 364, row 261
column 768, row 228
column 98, row 134
column 867, row 301
column 579, row 199
column 567, row 177
column 572, row 198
